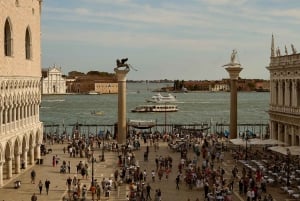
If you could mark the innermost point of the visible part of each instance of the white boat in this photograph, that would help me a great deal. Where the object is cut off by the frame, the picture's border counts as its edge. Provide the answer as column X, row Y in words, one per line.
column 93, row 93
column 142, row 124
column 155, row 108
column 158, row 98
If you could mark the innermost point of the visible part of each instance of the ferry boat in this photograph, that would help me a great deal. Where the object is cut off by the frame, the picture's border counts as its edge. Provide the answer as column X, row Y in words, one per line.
column 158, row 98
column 155, row 108
column 142, row 124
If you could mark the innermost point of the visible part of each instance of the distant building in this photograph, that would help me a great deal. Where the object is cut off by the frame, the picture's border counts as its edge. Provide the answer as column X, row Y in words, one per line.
column 106, row 88
column 53, row 81
column 284, row 108
column 21, row 130
column 91, row 82
column 219, row 86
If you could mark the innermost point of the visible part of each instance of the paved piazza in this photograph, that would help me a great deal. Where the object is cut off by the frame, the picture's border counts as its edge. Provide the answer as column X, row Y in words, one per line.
column 58, row 187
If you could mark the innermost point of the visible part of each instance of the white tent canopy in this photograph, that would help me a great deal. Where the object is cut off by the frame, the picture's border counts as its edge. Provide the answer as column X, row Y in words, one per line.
column 294, row 150
column 255, row 141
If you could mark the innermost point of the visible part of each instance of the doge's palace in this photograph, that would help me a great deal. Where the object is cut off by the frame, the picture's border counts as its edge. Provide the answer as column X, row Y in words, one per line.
column 284, row 108
column 20, row 96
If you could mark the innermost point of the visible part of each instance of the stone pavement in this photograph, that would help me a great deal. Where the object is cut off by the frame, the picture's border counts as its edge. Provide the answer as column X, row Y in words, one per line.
column 58, row 187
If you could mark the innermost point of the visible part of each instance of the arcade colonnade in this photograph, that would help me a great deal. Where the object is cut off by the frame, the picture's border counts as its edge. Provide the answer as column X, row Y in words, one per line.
column 284, row 110
column 20, row 128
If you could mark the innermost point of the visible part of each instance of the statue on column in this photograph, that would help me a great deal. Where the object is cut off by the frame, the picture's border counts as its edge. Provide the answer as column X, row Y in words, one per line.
column 293, row 49
column 122, row 63
column 233, row 60
column 233, row 57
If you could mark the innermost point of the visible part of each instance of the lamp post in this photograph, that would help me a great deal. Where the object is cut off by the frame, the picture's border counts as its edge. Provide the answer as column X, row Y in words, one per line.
column 288, row 152
column 93, row 184
column 246, row 138
column 102, row 155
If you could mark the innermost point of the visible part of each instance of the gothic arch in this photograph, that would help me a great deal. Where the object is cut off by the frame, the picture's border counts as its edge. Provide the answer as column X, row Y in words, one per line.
column 17, row 146
column 8, row 150
column 8, row 38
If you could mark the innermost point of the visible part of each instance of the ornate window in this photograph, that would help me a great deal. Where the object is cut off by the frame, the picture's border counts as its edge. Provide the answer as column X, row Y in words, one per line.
column 28, row 44
column 7, row 39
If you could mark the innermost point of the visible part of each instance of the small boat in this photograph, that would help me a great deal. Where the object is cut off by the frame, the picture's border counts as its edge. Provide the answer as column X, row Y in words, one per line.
column 97, row 113
column 155, row 108
column 158, row 98
column 142, row 124
column 93, row 93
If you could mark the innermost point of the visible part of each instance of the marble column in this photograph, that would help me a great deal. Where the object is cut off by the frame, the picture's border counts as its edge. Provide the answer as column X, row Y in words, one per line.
column 38, row 151
column 1, row 174
column 9, row 168
column 17, row 164
column 233, row 69
column 122, row 126
column 25, row 158
column 31, row 155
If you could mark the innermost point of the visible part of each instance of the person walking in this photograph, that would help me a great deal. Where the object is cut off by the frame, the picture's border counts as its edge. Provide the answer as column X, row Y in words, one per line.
column 177, row 182
column 33, row 174
column 40, row 186
column 98, row 192
column 47, row 185
column 148, row 189
column 33, row 197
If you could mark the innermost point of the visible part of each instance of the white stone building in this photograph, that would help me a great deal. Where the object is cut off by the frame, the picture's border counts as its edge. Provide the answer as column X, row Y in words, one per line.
column 20, row 96
column 284, row 109
column 53, row 82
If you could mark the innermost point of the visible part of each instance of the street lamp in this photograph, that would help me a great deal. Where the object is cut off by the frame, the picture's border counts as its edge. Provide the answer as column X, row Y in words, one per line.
column 102, row 155
column 93, row 182
column 288, row 152
column 246, row 138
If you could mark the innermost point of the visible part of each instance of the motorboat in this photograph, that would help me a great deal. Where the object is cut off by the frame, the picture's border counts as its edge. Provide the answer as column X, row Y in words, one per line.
column 97, row 113
column 155, row 108
column 142, row 124
column 158, row 98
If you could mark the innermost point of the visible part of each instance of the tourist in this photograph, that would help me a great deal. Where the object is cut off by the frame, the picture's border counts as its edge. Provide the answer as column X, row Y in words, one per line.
column 69, row 183
column 33, row 197
column 153, row 175
column 33, row 175
column 40, row 185
column 84, row 192
column 177, row 182
column 148, row 189
column 98, row 192
column 47, row 185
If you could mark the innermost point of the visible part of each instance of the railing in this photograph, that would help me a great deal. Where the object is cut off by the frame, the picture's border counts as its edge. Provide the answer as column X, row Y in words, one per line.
column 95, row 129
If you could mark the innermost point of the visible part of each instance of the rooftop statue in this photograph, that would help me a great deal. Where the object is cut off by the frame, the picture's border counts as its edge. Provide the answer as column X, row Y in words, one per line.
column 293, row 49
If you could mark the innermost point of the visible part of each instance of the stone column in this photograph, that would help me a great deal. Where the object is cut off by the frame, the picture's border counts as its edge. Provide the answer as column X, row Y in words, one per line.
column 38, row 151
column 9, row 168
column 31, row 155
column 17, row 164
column 25, row 158
column 233, row 71
column 1, row 174
column 122, row 127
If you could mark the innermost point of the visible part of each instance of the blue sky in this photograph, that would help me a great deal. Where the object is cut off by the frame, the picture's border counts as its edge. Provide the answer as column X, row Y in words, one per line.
column 167, row 39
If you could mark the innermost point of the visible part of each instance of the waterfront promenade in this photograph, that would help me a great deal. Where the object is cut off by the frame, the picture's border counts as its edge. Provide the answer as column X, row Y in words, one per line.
column 58, row 187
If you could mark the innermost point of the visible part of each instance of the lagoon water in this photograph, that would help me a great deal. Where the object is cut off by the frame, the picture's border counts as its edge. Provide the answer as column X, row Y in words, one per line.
column 194, row 107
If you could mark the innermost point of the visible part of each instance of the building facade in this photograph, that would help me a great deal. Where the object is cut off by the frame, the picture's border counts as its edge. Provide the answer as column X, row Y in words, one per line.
column 284, row 108
column 20, row 96
column 106, row 88
column 53, row 81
